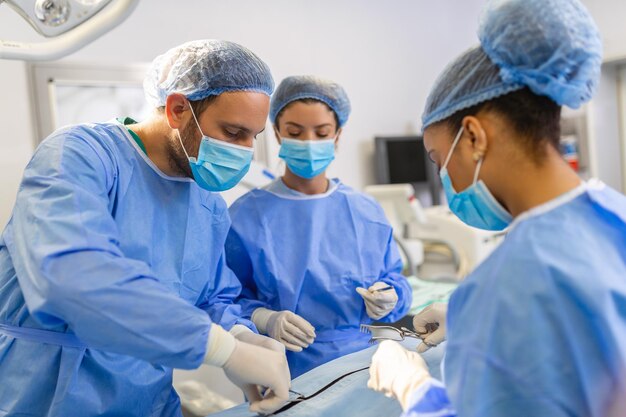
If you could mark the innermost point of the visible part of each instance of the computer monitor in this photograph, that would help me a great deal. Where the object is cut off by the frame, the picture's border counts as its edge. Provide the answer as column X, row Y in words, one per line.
column 403, row 159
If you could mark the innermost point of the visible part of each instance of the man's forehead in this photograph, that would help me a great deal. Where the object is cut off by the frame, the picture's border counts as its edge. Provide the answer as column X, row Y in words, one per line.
column 240, row 110
column 236, row 120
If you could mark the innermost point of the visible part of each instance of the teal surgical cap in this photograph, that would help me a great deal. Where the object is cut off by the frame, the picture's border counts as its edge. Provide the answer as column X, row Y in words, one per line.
column 307, row 86
column 204, row 68
column 552, row 47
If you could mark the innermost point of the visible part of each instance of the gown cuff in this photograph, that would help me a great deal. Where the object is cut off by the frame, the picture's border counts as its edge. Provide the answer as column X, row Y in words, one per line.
column 429, row 399
column 220, row 346
column 260, row 317
column 237, row 329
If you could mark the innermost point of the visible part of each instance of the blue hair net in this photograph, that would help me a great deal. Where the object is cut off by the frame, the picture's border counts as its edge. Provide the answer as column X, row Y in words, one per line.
column 552, row 47
column 307, row 86
column 203, row 68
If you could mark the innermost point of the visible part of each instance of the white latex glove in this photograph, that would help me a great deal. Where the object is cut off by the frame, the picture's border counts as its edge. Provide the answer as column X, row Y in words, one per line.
column 397, row 372
column 288, row 328
column 246, row 335
column 252, row 368
column 431, row 324
column 378, row 303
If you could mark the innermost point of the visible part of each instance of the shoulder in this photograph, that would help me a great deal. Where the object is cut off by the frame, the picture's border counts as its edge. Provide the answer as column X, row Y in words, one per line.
column 79, row 148
column 366, row 203
column 551, row 260
column 102, row 139
column 610, row 201
column 248, row 202
column 96, row 135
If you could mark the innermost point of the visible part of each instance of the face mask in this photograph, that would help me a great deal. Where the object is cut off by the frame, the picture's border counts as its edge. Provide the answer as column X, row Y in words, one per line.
column 307, row 158
column 219, row 165
column 475, row 206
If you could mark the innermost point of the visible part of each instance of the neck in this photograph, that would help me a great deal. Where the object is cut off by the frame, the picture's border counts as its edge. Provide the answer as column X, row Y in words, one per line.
column 155, row 134
column 530, row 185
column 315, row 185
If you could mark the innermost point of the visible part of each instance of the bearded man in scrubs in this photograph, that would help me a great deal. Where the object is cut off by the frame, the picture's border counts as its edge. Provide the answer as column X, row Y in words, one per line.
column 112, row 267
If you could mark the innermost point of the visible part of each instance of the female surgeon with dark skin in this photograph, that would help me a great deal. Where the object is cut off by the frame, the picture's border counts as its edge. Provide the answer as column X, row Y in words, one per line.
column 539, row 328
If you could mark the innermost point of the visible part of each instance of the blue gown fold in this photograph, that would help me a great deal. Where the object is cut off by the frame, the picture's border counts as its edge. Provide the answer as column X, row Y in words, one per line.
column 106, row 249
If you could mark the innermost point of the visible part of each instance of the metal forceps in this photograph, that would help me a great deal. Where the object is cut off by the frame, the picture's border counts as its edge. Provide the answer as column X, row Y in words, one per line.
column 390, row 333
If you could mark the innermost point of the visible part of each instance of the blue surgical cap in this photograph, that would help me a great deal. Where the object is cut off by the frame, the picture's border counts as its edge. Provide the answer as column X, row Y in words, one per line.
column 307, row 86
column 203, row 68
column 552, row 47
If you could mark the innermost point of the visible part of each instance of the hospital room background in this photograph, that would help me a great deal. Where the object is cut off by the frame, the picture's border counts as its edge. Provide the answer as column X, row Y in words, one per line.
column 386, row 54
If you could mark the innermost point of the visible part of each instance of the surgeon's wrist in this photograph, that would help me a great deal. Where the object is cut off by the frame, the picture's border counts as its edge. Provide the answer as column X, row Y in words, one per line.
column 409, row 384
column 220, row 346
column 238, row 329
column 261, row 317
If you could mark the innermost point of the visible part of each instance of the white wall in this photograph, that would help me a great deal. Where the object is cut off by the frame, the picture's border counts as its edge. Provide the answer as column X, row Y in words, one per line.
column 605, row 129
column 17, row 132
column 604, row 115
column 609, row 16
column 385, row 53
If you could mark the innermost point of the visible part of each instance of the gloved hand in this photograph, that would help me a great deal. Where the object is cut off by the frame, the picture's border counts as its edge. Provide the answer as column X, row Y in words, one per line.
column 378, row 303
column 251, row 368
column 246, row 335
column 288, row 328
column 430, row 323
column 397, row 372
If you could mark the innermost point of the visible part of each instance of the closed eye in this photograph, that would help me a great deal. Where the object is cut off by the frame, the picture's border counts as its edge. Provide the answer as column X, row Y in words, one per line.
column 233, row 134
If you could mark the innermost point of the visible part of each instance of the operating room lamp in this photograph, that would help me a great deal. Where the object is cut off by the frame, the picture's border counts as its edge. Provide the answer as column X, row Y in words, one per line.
column 68, row 25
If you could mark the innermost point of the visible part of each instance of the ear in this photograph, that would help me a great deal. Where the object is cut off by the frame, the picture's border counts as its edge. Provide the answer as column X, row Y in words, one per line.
column 277, row 134
column 473, row 127
column 337, row 137
column 176, row 107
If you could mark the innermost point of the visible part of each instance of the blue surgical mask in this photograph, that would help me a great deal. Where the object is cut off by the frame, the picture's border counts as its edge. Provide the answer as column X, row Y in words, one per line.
column 220, row 165
column 475, row 205
column 307, row 158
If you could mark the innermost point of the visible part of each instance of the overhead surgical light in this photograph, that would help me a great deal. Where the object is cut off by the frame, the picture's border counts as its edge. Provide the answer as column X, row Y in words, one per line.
column 69, row 25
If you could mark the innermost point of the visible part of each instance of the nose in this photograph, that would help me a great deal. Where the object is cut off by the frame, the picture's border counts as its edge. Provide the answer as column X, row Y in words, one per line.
column 309, row 135
column 248, row 141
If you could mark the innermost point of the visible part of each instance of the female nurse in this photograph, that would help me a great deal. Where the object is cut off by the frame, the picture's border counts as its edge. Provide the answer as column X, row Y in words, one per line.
column 539, row 328
column 315, row 258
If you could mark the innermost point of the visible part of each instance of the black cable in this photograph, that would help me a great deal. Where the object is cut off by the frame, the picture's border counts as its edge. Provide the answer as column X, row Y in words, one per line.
column 324, row 388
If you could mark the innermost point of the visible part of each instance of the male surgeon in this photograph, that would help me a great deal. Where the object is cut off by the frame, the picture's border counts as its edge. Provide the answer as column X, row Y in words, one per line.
column 112, row 267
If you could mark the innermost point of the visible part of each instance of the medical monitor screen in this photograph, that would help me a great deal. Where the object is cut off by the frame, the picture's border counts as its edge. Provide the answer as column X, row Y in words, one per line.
column 401, row 160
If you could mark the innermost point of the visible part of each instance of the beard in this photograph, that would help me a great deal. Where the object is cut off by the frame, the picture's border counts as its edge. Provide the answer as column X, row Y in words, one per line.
column 176, row 155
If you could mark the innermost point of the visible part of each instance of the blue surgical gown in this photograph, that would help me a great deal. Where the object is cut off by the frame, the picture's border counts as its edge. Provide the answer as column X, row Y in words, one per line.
column 111, row 274
column 308, row 254
column 539, row 329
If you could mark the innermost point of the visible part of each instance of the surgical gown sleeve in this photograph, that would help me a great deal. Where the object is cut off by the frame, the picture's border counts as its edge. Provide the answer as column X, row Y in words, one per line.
column 430, row 400
column 392, row 275
column 507, row 358
column 70, row 267
column 239, row 261
column 220, row 295
column 500, row 366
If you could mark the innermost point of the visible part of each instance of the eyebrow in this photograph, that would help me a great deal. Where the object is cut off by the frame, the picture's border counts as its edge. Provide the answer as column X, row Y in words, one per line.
column 316, row 127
